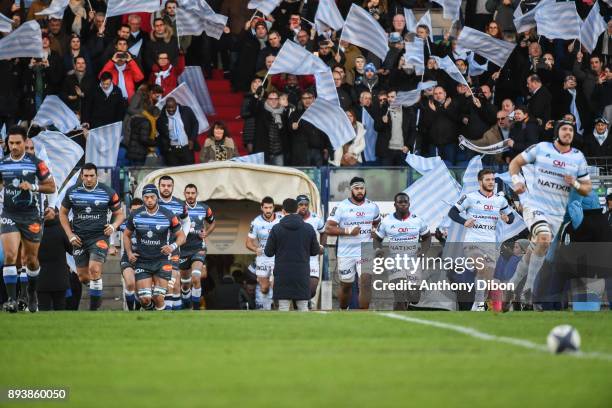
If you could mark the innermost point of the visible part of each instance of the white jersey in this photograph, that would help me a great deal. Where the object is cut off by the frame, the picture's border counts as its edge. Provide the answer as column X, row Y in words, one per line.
column 350, row 215
column 485, row 210
column 260, row 230
column 548, row 191
column 403, row 234
column 318, row 225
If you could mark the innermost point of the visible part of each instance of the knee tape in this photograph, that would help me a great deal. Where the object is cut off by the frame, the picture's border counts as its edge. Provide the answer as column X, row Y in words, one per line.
column 540, row 228
column 159, row 291
column 144, row 293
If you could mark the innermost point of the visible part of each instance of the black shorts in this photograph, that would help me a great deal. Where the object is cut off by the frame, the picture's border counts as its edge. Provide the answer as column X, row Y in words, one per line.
column 125, row 263
column 186, row 261
column 148, row 269
column 91, row 250
column 30, row 226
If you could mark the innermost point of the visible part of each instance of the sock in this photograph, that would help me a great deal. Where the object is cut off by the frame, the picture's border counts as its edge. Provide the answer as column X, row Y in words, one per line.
column 196, row 293
column 23, row 282
column 168, row 302
column 9, row 273
column 520, row 272
column 302, row 305
column 95, row 294
column 283, row 305
column 130, row 299
column 186, row 293
column 480, row 295
column 33, row 279
column 177, row 302
column 535, row 264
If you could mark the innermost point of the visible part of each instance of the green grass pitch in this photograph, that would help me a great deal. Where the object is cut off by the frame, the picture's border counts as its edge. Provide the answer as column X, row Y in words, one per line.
column 268, row 359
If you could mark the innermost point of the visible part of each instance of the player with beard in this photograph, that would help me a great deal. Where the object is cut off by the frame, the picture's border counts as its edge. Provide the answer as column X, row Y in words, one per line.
column 178, row 208
column 256, row 242
column 403, row 231
column 483, row 208
column 352, row 221
column 89, row 231
column 193, row 253
column 557, row 168
column 318, row 225
column 127, row 268
column 154, row 227
column 23, row 177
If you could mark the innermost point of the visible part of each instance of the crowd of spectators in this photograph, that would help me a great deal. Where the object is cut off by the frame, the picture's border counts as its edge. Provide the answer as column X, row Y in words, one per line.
column 117, row 68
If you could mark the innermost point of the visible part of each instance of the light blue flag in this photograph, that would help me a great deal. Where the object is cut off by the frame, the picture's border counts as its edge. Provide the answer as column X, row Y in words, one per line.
column 370, row 136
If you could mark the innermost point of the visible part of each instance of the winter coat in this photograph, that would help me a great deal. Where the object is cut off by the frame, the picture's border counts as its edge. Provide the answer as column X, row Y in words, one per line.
column 208, row 153
column 131, row 75
column 292, row 242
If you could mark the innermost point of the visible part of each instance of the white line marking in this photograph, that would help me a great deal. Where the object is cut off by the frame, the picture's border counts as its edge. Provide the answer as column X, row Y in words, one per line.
column 491, row 337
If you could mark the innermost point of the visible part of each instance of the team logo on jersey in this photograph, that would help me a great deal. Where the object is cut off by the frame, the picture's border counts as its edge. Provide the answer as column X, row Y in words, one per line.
column 25, row 172
column 559, row 163
column 150, row 234
column 87, row 210
column 158, row 227
column 15, row 182
column 488, row 207
column 97, row 203
column 360, row 213
column 200, row 217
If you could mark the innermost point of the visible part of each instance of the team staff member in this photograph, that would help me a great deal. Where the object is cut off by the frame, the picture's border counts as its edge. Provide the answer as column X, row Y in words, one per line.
column 193, row 253
column 90, row 202
column 352, row 221
column 152, row 226
column 23, row 176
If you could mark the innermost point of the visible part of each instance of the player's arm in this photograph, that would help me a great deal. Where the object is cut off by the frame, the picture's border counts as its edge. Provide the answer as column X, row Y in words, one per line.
column 514, row 169
column 46, row 183
column 210, row 224
column 425, row 242
column 455, row 212
column 583, row 187
column 179, row 237
column 251, row 241
column 507, row 215
column 65, row 223
column 117, row 216
column 127, row 242
column 332, row 228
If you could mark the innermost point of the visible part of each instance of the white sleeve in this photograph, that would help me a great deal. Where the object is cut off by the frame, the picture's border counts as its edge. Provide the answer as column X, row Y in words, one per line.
column 504, row 206
column 530, row 153
column 336, row 214
column 321, row 225
column 463, row 204
column 424, row 228
column 583, row 171
column 252, row 231
column 376, row 213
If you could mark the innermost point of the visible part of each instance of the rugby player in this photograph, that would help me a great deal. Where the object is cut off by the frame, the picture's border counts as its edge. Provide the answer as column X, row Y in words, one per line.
column 154, row 228
column 256, row 242
column 558, row 168
column 318, row 225
column 193, row 253
column 23, row 176
column 352, row 222
column 89, row 231
column 127, row 268
column 483, row 208
column 178, row 208
column 404, row 231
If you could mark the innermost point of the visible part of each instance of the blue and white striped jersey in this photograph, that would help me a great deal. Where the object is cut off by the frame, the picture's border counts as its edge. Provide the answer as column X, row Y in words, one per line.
column 549, row 193
column 485, row 210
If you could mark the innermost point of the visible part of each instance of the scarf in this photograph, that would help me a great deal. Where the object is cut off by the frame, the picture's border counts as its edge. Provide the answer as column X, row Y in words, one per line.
column 108, row 91
column 600, row 137
column 176, row 128
column 121, row 79
column 77, row 8
column 220, row 150
column 276, row 114
column 574, row 110
column 153, row 121
column 161, row 75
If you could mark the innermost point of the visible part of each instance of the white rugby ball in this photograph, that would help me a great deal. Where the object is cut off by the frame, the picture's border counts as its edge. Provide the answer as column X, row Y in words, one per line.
column 563, row 339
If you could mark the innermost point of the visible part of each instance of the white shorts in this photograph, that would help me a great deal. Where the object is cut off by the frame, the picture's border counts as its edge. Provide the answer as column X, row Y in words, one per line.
column 314, row 267
column 348, row 267
column 533, row 216
column 264, row 266
column 481, row 253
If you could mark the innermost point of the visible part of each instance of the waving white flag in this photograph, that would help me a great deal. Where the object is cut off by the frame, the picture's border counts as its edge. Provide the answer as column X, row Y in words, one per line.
column 24, row 42
column 591, row 29
column 364, row 31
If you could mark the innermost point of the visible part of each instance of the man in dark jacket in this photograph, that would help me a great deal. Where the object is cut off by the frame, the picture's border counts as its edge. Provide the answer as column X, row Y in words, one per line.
column 440, row 123
column 105, row 104
column 523, row 133
column 396, row 129
column 178, row 129
column 309, row 146
column 539, row 100
column 292, row 242
column 53, row 278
